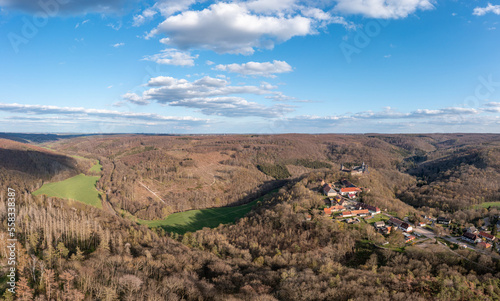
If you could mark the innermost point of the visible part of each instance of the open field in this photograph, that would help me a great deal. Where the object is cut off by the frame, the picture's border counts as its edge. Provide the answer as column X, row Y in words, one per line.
column 96, row 168
column 80, row 188
column 487, row 204
column 377, row 218
column 193, row 220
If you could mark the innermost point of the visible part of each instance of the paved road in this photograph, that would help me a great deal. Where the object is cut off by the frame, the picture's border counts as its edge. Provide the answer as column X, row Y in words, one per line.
column 457, row 240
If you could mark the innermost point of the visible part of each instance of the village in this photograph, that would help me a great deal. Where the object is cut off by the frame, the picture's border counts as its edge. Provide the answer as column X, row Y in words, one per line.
column 344, row 204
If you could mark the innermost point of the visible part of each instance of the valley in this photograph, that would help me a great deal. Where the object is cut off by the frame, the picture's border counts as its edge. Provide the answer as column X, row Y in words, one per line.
column 255, row 217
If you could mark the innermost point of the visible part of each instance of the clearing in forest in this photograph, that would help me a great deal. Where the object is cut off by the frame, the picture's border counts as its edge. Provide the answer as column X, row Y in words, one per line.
column 79, row 188
column 193, row 220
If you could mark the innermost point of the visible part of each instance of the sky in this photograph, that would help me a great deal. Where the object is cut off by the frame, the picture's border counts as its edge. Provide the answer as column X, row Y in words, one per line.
column 256, row 66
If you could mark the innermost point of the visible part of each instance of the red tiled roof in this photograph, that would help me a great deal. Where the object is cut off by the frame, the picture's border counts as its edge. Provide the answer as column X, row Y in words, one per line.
column 355, row 212
column 484, row 245
column 350, row 189
column 337, row 207
column 487, row 235
column 328, row 211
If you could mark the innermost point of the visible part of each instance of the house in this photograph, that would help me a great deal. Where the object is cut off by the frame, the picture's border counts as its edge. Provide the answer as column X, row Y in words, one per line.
column 336, row 208
column 308, row 217
column 347, row 183
column 487, row 236
column 409, row 238
column 329, row 191
column 386, row 230
column 421, row 224
column 400, row 224
column 396, row 222
column 379, row 224
column 484, row 245
column 472, row 230
column 470, row 237
column 363, row 212
column 372, row 209
column 350, row 191
column 352, row 221
column 406, row 227
column 443, row 220
column 357, row 170
column 328, row 211
column 347, row 214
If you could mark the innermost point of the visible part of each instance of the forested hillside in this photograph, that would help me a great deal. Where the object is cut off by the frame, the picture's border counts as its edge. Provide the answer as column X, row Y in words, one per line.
column 71, row 251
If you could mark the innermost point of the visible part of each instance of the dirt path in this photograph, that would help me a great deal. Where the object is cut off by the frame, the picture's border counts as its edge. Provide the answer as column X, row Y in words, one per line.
column 152, row 192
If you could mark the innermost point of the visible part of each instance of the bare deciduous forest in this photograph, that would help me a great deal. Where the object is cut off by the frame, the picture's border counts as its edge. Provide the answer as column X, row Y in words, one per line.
column 71, row 251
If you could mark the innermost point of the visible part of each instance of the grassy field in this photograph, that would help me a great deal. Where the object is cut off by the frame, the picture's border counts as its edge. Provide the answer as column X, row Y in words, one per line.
column 377, row 218
column 193, row 220
column 487, row 204
column 96, row 168
column 80, row 188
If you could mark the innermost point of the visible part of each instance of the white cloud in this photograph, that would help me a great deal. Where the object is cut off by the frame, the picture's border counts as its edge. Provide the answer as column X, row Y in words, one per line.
column 233, row 107
column 239, row 27
column 135, row 99
column 83, row 112
column 74, row 7
column 230, row 28
column 267, row 69
column 118, row 45
column 481, row 11
column 209, row 63
column 212, row 96
column 146, row 15
column 116, row 26
column 451, row 119
column 267, row 6
column 83, row 23
column 385, row 9
column 164, row 7
column 172, row 56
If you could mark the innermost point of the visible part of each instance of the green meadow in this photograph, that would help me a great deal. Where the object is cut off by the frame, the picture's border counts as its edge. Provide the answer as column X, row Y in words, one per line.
column 79, row 188
column 487, row 204
column 193, row 220
column 96, row 168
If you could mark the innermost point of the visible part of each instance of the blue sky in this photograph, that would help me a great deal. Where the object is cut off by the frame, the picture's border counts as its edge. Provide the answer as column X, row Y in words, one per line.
column 188, row 66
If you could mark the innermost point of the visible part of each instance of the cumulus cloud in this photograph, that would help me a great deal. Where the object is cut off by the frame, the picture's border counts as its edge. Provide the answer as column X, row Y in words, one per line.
column 233, row 107
column 171, row 56
column 230, row 28
column 135, row 99
column 212, row 96
column 118, row 45
column 266, row 69
column 98, row 113
column 384, row 9
column 267, row 6
column 52, row 8
column 146, row 15
column 164, row 7
column 481, row 11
